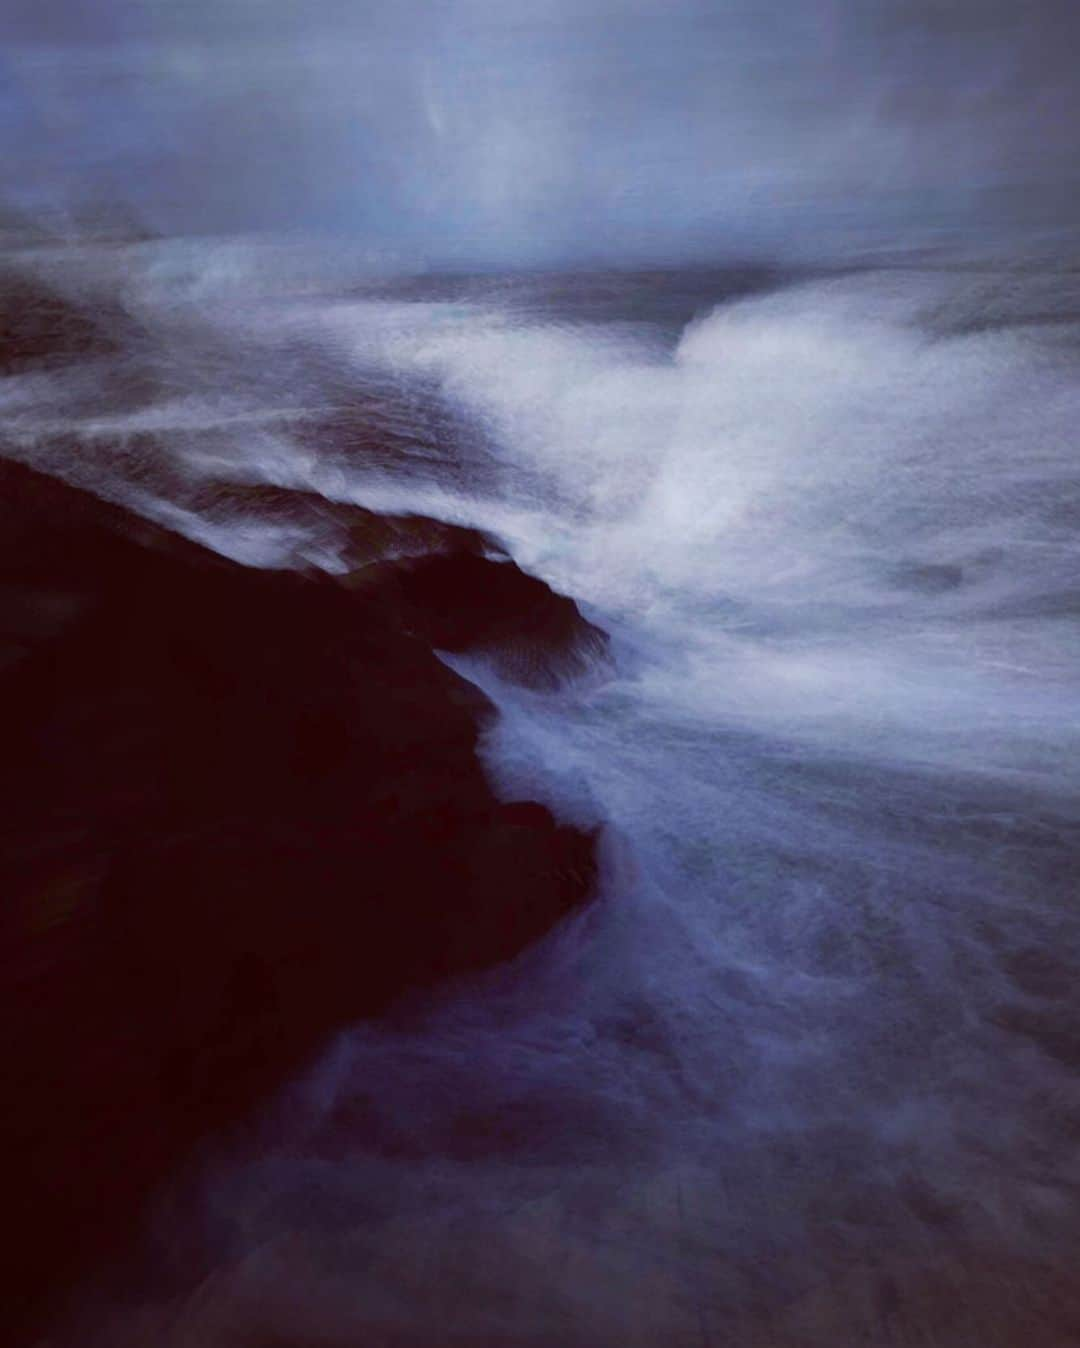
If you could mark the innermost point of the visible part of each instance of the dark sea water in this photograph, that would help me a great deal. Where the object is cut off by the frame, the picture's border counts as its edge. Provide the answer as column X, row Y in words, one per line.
column 808, row 1073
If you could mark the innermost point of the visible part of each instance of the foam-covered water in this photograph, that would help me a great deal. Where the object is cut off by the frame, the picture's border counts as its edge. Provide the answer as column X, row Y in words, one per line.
column 807, row 1074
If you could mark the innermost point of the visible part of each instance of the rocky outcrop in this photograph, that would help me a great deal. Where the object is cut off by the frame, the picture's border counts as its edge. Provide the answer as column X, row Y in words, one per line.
column 244, row 807
column 456, row 588
column 463, row 601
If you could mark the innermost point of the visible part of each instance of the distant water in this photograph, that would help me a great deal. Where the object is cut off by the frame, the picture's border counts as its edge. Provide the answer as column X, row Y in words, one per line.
column 808, row 1073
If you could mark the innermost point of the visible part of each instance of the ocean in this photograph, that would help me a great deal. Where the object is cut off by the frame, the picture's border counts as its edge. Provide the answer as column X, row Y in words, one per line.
column 806, row 1073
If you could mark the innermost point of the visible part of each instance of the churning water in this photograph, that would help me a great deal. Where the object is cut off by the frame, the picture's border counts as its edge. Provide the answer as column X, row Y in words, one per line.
column 807, row 1073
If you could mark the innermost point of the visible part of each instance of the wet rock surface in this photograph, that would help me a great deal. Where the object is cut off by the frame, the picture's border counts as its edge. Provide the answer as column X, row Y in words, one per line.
column 462, row 601
column 244, row 807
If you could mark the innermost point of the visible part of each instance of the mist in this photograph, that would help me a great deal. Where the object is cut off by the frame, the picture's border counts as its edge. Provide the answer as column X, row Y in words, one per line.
column 488, row 133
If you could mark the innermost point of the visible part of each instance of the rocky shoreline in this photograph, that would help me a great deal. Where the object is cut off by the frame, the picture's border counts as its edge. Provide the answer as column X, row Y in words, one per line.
column 245, row 808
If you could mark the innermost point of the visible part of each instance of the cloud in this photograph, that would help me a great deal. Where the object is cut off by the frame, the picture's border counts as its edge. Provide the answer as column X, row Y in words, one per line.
column 517, row 130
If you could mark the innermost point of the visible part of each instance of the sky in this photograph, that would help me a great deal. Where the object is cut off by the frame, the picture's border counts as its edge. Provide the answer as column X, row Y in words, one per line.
column 524, row 130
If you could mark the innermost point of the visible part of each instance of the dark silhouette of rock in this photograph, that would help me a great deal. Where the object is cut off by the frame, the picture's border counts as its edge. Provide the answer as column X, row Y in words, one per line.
column 355, row 535
column 455, row 587
column 464, row 601
column 243, row 808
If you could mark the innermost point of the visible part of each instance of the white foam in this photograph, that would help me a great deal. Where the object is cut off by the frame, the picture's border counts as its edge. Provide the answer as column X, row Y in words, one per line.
column 763, row 502
column 838, row 762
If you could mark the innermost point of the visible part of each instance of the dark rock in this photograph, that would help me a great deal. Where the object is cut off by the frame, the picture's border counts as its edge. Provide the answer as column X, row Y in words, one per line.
column 355, row 535
column 244, row 807
column 454, row 587
column 464, row 601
